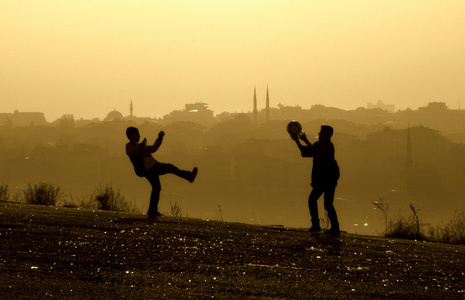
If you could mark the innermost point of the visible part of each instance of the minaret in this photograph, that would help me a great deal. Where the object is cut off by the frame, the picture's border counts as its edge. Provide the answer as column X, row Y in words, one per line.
column 267, row 105
column 409, row 161
column 254, row 105
column 409, row 165
column 130, row 108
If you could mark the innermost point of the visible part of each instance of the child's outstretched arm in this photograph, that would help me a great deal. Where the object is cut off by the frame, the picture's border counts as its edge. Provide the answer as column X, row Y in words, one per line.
column 305, row 150
column 153, row 148
column 304, row 138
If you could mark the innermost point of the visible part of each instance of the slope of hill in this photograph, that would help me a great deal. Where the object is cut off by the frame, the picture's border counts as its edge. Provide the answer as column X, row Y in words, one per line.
column 74, row 253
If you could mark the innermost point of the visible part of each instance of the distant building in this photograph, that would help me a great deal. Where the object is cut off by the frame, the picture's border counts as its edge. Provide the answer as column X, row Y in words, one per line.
column 114, row 115
column 434, row 106
column 289, row 112
column 380, row 104
column 195, row 112
column 22, row 119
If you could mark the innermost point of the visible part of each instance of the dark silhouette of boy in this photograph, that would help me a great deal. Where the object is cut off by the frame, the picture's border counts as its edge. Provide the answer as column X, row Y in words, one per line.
column 325, row 173
column 146, row 166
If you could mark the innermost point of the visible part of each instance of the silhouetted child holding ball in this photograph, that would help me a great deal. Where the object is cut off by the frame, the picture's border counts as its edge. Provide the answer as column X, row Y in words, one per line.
column 325, row 174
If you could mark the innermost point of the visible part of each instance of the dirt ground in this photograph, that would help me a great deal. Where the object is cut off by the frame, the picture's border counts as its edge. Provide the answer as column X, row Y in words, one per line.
column 55, row 252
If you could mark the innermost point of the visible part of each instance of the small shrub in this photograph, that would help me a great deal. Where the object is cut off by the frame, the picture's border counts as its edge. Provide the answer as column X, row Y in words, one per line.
column 17, row 197
column 42, row 194
column 219, row 214
column 109, row 199
column 384, row 208
column 403, row 229
column 453, row 232
column 415, row 219
column 175, row 209
column 86, row 202
column 406, row 229
column 4, row 195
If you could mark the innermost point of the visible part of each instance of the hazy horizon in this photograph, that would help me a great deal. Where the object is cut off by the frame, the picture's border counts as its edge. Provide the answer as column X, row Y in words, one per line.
column 88, row 58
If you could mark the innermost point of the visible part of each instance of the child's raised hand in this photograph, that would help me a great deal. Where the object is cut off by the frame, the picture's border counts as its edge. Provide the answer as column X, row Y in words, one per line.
column 303, row 136
column 294, row 136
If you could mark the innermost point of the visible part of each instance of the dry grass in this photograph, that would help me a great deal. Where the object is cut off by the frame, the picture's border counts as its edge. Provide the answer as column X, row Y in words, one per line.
column 42, row 194
column 4, row 194
column 110, row 199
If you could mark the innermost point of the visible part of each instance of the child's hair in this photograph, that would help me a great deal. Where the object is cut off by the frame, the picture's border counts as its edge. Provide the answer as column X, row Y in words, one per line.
column 130, row 131
column 328, row 130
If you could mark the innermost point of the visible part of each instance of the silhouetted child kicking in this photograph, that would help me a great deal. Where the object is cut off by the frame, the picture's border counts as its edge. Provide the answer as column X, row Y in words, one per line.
column 146, row 166
column 325, row 173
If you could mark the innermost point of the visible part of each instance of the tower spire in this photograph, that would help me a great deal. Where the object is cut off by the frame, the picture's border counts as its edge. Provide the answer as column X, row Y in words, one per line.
column 409, row 161
column 267, row 105
column 409, row 164
column 130, row 109
column 254, row 105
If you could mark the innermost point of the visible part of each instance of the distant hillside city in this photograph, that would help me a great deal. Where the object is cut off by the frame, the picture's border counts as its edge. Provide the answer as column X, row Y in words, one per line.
column 434, row 115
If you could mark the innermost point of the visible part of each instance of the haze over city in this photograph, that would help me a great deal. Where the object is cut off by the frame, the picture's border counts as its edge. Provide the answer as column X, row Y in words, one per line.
column 88, row 58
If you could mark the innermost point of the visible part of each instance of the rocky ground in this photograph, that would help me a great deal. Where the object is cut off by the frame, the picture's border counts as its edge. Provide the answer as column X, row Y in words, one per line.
column 73, row 253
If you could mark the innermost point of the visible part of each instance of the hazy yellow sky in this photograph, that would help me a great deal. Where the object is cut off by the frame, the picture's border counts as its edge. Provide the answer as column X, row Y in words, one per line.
column 90, row 57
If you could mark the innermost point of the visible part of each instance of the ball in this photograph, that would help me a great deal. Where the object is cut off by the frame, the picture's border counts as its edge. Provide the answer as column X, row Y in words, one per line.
column 294, row 127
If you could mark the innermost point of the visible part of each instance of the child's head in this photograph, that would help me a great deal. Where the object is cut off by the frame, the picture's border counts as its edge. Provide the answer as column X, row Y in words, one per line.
column 133, row 134
column 326, row 132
